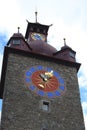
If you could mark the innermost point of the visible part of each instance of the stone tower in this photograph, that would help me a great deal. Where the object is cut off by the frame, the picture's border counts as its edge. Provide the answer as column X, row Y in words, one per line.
column 39, row 84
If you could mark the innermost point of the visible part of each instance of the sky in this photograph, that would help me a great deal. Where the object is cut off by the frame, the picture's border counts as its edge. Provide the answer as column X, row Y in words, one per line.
column 69, row 19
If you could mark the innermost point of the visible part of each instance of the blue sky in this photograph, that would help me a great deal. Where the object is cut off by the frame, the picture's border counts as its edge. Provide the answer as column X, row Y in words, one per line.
column 69, row 19
column 3, row 40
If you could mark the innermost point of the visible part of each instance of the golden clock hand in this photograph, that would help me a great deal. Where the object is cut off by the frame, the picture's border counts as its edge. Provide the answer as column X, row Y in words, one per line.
column 41, row 85
column 49, row 74
column 43, row 77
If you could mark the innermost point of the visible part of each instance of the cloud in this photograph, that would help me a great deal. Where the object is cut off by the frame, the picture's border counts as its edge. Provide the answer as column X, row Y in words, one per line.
column 83, row 82
column 84, row 104
column 10, row 15
column 85, row 119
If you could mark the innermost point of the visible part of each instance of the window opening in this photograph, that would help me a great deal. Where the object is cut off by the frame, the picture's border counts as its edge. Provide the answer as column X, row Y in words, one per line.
column 16, row 42
column 72, row 54
column 45, row 129
column 45, row 106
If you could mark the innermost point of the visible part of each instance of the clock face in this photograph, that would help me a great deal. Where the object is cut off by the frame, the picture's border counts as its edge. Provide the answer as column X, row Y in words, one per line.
column 44, row 81
column 38, row 36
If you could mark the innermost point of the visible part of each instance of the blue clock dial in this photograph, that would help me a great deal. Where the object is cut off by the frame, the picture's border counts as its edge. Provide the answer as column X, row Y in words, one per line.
column 38, row 36
column 44, row 81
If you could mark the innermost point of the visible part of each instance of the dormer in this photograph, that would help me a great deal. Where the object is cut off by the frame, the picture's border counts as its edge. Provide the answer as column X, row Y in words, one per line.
column 17, row 41
column 66, row 53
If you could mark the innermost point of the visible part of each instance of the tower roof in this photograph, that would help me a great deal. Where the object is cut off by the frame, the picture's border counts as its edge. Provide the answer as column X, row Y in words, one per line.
column 34, row 27
column 42, row 47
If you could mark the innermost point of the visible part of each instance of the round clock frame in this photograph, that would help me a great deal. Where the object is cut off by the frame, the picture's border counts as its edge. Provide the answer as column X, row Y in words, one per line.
column 44, row 81
column 37, row 36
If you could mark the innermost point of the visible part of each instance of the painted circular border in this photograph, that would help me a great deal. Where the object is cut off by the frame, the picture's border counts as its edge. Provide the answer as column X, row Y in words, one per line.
column 58, row 92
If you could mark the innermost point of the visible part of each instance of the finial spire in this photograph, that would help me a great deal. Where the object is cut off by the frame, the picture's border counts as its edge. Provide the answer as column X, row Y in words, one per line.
column 64, row 41
column 36, row 15
column 18, row 29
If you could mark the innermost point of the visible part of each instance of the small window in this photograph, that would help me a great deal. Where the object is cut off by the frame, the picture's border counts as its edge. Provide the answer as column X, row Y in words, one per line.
column 45, row 129
column 72, row 54
column 16, row 42
column 45, row 106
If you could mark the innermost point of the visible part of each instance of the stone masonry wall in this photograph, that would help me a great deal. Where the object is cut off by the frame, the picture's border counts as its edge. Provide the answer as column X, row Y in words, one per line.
column 21, row 107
